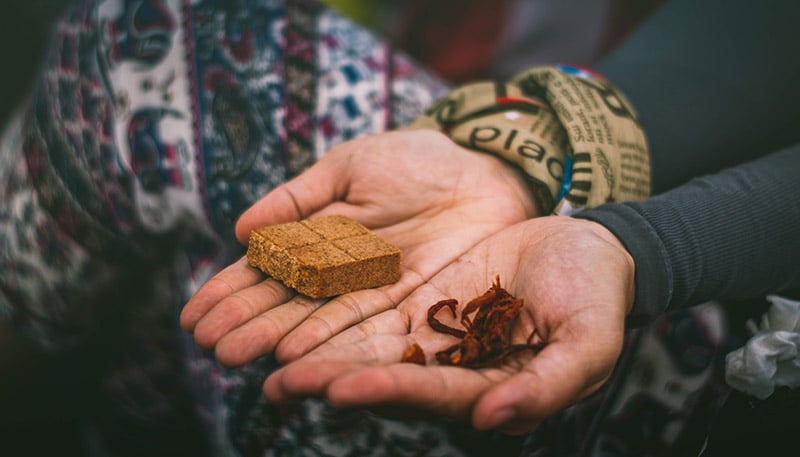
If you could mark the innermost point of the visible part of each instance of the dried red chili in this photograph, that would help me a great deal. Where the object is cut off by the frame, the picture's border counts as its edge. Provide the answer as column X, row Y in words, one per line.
column 486, row 338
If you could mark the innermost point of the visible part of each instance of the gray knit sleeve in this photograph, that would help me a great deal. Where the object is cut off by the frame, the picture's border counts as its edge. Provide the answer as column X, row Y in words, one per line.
column 714, row 83
column 734, row 234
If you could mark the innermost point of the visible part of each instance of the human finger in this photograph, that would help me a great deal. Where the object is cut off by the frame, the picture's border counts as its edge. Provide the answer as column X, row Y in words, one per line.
column 563, row 373
column 259, row 335
column 310, row 375
column 441, row 390
column 321, row 184
column 236, row 276
column 295, row 328
column 367, row 374
column 350, row 317
column 238, row 308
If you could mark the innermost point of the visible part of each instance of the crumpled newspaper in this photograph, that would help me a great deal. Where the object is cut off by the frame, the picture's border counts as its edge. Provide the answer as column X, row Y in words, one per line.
column 771, row 357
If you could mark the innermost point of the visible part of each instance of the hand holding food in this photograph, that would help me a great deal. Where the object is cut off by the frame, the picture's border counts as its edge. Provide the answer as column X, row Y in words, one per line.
column 417, row 190
column 571, row 324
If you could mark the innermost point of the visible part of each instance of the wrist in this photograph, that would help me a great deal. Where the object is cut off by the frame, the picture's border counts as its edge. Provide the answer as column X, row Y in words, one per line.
column 626, row 259
column 653, row 283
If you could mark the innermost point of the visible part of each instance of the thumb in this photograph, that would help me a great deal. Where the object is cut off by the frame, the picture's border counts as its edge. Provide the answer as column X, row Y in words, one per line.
column 556, row 378
column 322, row 184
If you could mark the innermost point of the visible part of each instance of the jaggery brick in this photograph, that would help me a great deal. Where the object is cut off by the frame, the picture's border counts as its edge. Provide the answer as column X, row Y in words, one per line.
column 326, row 256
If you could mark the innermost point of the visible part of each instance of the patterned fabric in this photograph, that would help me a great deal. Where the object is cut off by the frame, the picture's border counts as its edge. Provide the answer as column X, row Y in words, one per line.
column 154, row 123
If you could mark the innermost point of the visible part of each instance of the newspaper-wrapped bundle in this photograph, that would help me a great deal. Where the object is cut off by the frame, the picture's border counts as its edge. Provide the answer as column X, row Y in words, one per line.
column 574, row 135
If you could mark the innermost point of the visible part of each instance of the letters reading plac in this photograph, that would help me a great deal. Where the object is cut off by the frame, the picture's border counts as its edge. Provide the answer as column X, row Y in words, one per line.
column 480, row 137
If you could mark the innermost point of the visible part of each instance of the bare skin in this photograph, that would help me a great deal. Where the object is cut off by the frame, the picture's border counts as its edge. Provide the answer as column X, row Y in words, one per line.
column 417, row 189
column 553, row 264
column 461, row 218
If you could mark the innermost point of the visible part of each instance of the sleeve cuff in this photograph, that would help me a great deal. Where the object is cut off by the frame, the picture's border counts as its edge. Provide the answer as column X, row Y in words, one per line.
column 653, row 276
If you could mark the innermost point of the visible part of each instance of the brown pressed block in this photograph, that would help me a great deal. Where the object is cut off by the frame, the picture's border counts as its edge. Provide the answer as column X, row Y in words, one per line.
column 326, row 256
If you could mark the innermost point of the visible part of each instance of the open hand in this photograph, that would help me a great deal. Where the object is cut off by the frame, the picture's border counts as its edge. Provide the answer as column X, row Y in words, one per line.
column 577, row 283
column 417, row 189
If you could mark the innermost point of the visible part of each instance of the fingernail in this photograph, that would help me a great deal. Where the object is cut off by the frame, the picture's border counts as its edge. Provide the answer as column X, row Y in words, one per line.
column 502, row 416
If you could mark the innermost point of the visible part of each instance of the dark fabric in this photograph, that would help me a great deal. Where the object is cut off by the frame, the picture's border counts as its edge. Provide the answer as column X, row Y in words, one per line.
column 713, row 85
column 732, row 235
column 25, row 28
column 746, row 426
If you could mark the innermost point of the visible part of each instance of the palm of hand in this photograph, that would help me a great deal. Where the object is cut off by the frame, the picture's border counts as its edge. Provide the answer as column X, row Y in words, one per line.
column 417, row 189
column 576, row 312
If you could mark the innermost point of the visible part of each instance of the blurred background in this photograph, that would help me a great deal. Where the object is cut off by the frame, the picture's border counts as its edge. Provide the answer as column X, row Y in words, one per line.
column 469, row 39
column 458, row 39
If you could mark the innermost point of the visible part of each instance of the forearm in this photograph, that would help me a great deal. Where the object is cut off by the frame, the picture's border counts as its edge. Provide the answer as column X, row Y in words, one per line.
column 714, row 83
column 728, row 235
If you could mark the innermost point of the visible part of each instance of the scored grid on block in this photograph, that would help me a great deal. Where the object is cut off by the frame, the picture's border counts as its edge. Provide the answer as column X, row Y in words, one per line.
column 324, row 256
